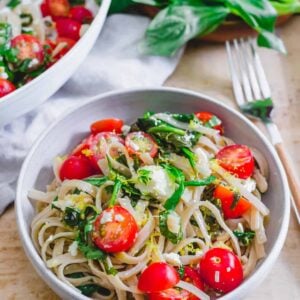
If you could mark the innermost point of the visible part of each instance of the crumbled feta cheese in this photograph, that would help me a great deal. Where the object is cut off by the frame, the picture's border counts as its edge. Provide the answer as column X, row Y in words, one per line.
column 160, row 185
column 125, row 129
column 119, row 218
column 173, row 222
column 107, row 216
column 217, row 276
column 50, row 238
column 173, row 259
column 73, row 248
column 33, row 63
column 52, row 263
column 249, row 184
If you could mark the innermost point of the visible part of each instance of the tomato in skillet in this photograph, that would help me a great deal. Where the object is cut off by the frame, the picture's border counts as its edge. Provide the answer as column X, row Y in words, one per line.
column 210, row 120
column 237, row 159
column 6, row 87
column 190, row 276
column 140, row 142
column 232, row 208
column 68, row 28
column 76, row 167
column 157, row 277
column 28, row 47
column 58, row 8
column 93, row 146
column 108, row 125
column 115, row 230
column 221, row 270
column 81, row 14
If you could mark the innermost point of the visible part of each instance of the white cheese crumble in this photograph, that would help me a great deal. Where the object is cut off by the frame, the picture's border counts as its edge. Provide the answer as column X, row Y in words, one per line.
column 173, row 222
column 33, row 63
column 217, row 276
column 73, row 248
column 107, row 216
column 125, row 129
column 173, row 259
column 160, row 185
column 119, row 218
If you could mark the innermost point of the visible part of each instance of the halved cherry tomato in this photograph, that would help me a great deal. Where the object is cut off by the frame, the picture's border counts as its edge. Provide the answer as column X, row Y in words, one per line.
column 76, row 167
column 140, row 142
column 58, row 8
column 221, row 270
column 108, row 125
column 157, row 277
column 171, row 294
column 237, row 159
column 190, row 276
column 115, row 230
column 68, row 28
column 45, row 9
column 67, row 45
column 210, row 120
column 230, row 209
column 6, row 87
column 81, row 14
column 28, row 47
column 93, row 147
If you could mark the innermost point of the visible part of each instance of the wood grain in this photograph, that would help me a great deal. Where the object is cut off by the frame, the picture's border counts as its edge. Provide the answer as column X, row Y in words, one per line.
column 203, row 68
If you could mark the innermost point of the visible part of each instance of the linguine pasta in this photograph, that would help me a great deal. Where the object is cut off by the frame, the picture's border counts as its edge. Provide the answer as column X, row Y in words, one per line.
column 178, row 233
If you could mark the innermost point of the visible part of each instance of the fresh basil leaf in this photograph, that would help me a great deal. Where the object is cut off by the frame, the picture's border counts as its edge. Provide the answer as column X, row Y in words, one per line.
column 190, row 156
column 259, row 109
column 285, row 7
column 164, row 230
column 167, row 128
column 119, row 6
column 13, row 3
column 270, row 40
column 144, row 176
column 116, row 190
column 96, row 181
column 201, row 182
column 91, row 288
column 89, row 251
column 5, row 35
column 186, row 118
column 159, row 3
column 245, row 238
column 175, row 25
column 71, row 217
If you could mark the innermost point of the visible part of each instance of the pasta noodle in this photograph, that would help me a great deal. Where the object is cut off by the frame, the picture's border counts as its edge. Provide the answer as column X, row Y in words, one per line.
column 64, row 229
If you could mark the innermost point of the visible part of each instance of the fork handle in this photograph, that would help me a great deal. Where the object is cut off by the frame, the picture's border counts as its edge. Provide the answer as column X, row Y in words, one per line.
column 290, row 171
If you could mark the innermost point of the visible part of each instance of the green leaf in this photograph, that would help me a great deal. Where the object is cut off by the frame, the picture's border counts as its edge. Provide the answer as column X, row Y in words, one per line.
column 96, row 181
column 166, row 128
column 201, row 182
column 270, row 40
column 119, row 6
column 285, row 7
column 90, row 252
column 186, row 118
column 13, row 3
column 144, row 176
column 175, row 25
column 260, row 109
column 190, row 156
column 91, row 288
column 245, row 238
column 5, row 35
column 116, row 190
column 164, row 230
column 71, row 217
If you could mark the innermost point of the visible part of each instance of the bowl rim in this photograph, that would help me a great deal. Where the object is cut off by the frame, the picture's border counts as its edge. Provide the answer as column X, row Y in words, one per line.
column 57, row 285
column 101, row 13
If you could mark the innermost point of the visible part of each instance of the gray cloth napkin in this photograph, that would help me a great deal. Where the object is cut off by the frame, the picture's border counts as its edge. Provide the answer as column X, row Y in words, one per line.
column 113, row 63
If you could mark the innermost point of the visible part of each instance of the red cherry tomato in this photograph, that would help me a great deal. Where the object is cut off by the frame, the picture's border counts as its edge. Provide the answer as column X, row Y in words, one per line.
column 92, row 147
column 28, row 47
column 45, row 9
column 58, row 8
column 108, row 125
column 68, row 28
column 115, row 230
column 81, row 14
column 6, row 87
column 157, row 277
column 221, row 270
column 140, row 142
column 208, row 119
column 76, row 167
column 230, row 209
column 237, row 159
column 190, row 276
column 171, row 294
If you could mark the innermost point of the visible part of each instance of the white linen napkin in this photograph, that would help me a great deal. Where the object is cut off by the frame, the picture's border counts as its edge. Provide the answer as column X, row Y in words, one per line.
column 113, row 63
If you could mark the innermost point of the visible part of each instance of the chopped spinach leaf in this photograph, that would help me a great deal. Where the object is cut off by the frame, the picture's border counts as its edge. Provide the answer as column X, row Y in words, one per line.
column 246, row 237
column 91, row 288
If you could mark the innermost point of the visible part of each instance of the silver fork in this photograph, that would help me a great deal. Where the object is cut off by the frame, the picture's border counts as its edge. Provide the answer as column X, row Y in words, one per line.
column 253, row 96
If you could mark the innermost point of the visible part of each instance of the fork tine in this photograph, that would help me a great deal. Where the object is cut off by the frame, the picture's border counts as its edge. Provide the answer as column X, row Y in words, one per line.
column 260, row 73
column 246, row 46
column 243, row 71
column 237, row 89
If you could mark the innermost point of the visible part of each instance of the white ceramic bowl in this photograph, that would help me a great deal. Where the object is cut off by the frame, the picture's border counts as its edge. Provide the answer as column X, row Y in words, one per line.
column 62, row 136
column 41, row 88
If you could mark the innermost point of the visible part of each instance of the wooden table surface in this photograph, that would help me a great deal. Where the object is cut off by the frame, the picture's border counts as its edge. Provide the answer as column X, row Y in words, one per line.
column 202, row 68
